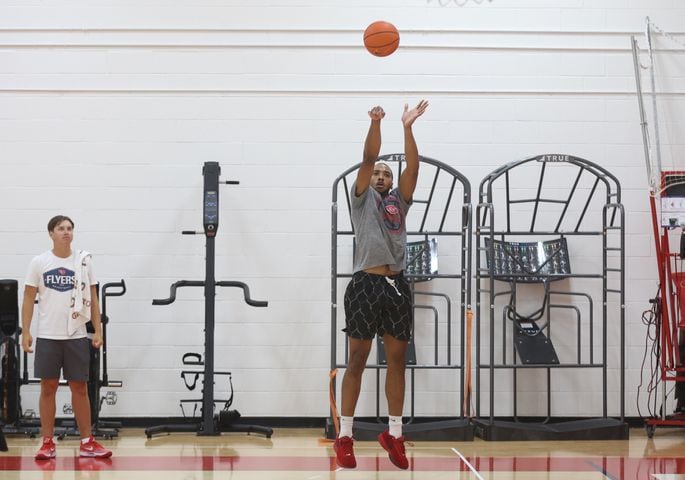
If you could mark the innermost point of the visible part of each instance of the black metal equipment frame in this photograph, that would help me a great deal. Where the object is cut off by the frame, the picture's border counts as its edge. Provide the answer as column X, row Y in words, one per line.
column 516, row 210
column 210, row 424
column 445, row 217
column 98, row 376
column 98, row 364
column 13, row 421
column 10, row 381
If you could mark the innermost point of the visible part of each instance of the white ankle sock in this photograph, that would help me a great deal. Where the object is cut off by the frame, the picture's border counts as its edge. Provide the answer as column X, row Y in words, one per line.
column 395, row 426
column 346, row 426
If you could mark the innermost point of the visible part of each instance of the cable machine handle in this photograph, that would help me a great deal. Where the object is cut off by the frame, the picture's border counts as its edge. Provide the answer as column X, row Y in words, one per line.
column 107, row 286
column 246, row 293
column 172, row 291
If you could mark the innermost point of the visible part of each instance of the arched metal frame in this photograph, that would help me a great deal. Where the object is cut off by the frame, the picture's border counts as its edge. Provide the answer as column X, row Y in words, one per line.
column 444, row 228
column 493, row 187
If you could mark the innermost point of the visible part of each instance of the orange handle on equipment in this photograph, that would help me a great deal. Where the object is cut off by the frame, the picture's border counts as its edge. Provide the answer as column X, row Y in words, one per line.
column 331, row 398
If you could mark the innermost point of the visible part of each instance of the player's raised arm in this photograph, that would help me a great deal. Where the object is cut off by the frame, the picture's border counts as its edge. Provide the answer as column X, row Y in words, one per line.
column 372, row 147
column 410, row 174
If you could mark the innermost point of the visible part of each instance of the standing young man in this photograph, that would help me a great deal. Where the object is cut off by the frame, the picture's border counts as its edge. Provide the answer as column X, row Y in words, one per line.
column 378, row 298
column 67, row 299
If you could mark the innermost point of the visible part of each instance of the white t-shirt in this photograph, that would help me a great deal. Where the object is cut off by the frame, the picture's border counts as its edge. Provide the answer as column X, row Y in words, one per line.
column 54, row 277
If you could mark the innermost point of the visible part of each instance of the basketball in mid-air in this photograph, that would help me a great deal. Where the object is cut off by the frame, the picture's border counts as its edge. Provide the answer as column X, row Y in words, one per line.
column 381, row 38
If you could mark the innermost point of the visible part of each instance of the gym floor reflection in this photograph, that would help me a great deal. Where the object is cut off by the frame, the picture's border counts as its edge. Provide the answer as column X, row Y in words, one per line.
column 305, row 454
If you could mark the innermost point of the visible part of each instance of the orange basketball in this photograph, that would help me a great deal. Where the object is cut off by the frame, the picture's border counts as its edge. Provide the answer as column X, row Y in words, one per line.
column 381, row 38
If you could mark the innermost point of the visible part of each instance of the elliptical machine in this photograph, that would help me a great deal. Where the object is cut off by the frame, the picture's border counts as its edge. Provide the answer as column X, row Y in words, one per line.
column 209, row 424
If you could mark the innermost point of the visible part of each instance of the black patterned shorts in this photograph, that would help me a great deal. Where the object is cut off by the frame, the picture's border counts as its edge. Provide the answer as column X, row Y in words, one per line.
column 375, row 304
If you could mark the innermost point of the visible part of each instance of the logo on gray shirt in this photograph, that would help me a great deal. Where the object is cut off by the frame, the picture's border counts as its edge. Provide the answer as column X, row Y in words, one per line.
column 389, row 208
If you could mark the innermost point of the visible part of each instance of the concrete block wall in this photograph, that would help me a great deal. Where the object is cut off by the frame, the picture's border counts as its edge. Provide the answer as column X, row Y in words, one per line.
column 108, row 110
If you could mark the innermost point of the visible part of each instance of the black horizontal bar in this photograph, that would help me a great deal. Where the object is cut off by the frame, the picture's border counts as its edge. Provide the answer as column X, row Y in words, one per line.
column 546, row 365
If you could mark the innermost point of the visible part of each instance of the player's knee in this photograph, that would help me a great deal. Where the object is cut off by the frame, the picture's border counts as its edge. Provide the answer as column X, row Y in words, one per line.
column 78, row 388
column 356, row 361
column 48, row 388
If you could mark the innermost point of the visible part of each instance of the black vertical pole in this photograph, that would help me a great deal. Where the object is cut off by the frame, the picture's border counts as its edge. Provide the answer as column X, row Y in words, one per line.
column 208, row 391
column 210, row 215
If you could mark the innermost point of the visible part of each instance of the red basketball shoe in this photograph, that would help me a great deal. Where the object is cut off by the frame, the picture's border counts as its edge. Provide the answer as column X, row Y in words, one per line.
column 93, row 449
column 47, row 450
column 395, row 448
column 344, row 452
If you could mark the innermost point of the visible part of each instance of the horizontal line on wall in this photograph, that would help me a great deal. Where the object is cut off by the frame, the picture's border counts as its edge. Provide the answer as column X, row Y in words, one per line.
column 329, row 30
column 305, row 46
column 333, row 92
column 329, row 38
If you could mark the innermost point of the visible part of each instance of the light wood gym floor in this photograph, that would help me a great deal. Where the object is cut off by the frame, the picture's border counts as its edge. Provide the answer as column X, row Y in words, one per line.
column 304, row 454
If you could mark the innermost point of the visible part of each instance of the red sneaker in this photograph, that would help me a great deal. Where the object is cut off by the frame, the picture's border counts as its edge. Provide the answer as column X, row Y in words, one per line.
column 47, row 450
column 395, row 448
column 93, row 449
column 344, row 452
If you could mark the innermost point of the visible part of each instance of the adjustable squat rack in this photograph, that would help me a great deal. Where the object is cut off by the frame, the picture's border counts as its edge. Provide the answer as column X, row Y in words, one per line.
column 210, row 424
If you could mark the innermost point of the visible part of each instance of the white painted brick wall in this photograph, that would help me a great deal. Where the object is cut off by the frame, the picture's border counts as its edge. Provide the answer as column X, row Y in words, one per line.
column 108, row 110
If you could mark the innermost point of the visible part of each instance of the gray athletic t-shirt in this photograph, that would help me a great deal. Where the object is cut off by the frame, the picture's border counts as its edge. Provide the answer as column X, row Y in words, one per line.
column 379, row 228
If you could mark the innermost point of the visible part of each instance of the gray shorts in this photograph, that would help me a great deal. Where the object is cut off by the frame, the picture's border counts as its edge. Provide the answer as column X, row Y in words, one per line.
column 70, row 356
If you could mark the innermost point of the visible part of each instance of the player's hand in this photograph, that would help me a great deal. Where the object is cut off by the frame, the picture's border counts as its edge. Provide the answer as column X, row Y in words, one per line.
column 409, row 116
column 27, row 342
column 376, row 113
column 97, row 340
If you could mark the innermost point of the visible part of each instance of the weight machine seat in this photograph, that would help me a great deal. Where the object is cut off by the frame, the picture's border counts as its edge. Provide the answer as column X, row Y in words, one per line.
column 529, row 262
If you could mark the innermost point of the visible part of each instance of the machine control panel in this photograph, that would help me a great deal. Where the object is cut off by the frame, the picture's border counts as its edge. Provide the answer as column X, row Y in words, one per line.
column 673, row 212
column 210, row 212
